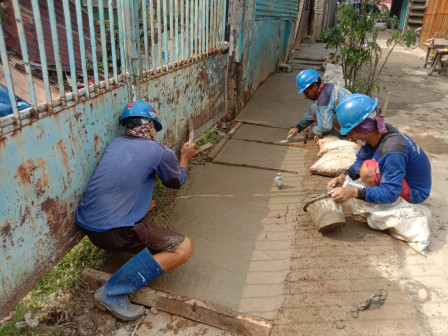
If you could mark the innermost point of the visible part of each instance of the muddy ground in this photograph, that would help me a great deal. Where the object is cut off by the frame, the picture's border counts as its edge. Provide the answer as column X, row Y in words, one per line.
column 332, row 274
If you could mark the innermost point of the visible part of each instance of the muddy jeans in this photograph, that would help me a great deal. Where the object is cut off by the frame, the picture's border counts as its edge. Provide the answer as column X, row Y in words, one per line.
column 136, row 238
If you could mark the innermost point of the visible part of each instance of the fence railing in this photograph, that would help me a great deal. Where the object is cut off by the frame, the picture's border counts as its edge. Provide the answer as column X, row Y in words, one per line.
column 76, row 50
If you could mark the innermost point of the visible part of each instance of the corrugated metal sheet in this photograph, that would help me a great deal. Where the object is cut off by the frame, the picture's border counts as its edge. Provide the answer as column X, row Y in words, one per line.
column 276, row 9
column 12, row 39
column 436, row 19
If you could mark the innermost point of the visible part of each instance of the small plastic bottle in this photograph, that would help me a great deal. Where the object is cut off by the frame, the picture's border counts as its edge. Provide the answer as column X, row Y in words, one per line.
column 279, row 180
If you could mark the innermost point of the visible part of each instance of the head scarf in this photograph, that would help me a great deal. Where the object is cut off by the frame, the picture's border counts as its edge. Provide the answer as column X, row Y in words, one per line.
column 371, row 124
column 146, row 131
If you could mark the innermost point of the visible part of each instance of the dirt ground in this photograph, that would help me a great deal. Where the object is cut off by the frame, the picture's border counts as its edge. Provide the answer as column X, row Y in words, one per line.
column 333, row 274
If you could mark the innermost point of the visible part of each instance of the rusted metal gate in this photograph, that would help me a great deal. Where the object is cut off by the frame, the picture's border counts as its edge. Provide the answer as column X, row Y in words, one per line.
column 168, row 52
column 435, row 20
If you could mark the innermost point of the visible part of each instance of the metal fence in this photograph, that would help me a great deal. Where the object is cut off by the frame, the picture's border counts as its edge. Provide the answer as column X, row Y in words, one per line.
column 129, row 41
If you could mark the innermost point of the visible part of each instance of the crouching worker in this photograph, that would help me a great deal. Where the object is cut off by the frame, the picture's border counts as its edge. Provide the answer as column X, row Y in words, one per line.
column 117, row 199
column 390, row 163
column 325, row 98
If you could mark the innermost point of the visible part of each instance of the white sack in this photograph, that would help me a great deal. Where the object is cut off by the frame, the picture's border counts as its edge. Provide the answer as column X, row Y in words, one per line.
column 334, row 163
column 337, row 145
column 405, row 221
column 333, row 74
column 328, row 139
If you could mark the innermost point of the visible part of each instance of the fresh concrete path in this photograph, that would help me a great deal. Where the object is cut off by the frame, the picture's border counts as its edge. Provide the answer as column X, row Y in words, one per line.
column 242, row 227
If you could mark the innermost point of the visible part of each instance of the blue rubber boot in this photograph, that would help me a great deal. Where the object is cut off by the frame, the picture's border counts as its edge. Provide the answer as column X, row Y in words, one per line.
column 130, row 278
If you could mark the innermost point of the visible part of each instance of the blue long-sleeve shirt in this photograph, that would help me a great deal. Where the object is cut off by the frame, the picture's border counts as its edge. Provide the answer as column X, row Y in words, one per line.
column 323, row 111
column 399, row 157
column 120, row 191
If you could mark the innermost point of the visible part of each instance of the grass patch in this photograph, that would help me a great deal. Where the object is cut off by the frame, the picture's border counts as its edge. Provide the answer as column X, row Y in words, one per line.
column 63, row 278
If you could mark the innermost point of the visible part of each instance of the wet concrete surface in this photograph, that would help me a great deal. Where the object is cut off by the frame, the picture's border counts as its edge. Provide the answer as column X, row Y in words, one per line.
column 242, row 227
column 276, row 102
column 259, row 154
column 263, row 133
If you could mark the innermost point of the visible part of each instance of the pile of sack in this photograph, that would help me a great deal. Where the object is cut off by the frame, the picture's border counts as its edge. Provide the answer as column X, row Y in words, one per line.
column 335, row 156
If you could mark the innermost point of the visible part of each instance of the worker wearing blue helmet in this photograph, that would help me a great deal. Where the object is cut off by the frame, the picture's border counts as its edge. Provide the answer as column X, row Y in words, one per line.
column 390, row 163
column 117, row 199
column 325, row 98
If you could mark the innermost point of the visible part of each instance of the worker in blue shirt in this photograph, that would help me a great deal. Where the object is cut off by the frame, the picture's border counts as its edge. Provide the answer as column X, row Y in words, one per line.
column 325, row 98
column 119, row 195
column 390, row 163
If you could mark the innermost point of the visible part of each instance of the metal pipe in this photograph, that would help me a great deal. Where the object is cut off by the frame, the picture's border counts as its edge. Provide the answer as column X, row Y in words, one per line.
column 103, row 43
column 176, row 32
column 43, row 56
column 112, row 40
column 24, row 48
column 207, row 27
column 145, row 33
column 165, row 34
column 7, row 72
column 182, row 29
column 57, row 56
column 82, row 47
column 92, row 41
column 71, row 52
column 153, row 55
column 195, row 30
column 187, row 29
column 159, row 34
column 121, row 43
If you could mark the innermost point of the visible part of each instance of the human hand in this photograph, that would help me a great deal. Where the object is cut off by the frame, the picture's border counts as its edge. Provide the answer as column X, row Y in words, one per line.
column 293, row 132
column 188, row 150
column 335, row 181
column 343, row 194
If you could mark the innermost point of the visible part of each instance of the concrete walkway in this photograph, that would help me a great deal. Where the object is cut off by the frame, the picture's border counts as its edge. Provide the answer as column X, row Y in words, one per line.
column 242, row 226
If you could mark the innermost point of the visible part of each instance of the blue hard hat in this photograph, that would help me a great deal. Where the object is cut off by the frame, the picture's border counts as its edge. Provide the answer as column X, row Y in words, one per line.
column 353, row 109
column 305, row 78
column 142, row 110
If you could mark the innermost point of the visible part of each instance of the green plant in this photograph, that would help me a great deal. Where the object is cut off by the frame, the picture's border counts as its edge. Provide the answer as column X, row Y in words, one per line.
column 356, row 46
column 63, row 278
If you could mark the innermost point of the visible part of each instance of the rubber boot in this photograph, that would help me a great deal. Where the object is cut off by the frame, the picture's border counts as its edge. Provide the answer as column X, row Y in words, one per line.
column 130, row 278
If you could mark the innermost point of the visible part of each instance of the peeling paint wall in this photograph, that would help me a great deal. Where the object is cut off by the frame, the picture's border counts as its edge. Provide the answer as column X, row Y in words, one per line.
column 257, row 46
column 45, row 167
column 197, row 92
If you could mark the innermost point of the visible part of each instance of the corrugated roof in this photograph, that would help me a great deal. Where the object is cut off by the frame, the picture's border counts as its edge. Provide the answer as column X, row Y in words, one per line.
column 12, row 39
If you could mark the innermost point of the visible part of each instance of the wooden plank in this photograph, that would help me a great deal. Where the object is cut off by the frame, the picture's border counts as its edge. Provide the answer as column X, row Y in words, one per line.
column 234, row 128
column 193, row 309
column 204, row 147
column 245, row 165
column 217, row 149
column 290, row 144
column 257, row 123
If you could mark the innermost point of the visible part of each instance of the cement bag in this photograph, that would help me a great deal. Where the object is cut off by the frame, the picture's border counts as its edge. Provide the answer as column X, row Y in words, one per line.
column 334, row 163
column 333, row 74
column 337, row 145
column 405, row 221
column 328, row 139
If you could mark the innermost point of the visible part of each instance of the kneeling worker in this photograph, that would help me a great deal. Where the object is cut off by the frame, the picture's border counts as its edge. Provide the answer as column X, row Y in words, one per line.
column 325, row 98
column 117, row 199
column 391, row 164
